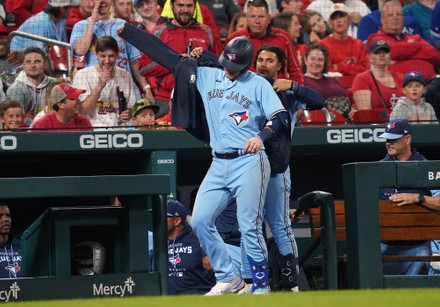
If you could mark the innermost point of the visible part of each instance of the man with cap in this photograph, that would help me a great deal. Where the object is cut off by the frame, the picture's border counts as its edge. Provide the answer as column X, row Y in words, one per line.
column 407, row 50
column 186, row 259
column 346, row 54
column 144, row 114
column 398, row 135
column 65, row 116
column 378, row 87
column 50, row 23
column 242, row 111
column 413, row 106
column 356, row 10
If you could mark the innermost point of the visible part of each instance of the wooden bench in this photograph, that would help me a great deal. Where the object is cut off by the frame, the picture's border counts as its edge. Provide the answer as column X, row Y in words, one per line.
column 411, row 222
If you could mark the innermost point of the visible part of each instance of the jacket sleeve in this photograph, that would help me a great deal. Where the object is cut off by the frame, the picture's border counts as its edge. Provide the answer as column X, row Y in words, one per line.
column 150, row 45
column 312, row 99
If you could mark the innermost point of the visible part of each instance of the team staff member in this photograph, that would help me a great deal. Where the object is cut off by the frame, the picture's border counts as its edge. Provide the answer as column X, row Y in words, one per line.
column 10, row 248
column 260, row 33
column 270, row 60
column 237, row 105
column 186, row 271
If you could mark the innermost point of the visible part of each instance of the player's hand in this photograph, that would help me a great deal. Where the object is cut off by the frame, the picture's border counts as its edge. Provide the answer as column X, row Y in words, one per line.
column 253, row 145
column 281, row 85
column 403, row 199
column 206, row 263
column 196, row 52
column 295, row 215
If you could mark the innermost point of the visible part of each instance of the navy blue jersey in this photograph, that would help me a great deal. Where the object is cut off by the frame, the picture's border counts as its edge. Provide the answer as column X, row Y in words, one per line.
column 11, row 259
column 185, row 269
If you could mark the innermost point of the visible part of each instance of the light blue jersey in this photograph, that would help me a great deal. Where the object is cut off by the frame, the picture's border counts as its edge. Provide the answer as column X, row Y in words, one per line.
column 233, row 112
column 41, row 24
column 127, row 53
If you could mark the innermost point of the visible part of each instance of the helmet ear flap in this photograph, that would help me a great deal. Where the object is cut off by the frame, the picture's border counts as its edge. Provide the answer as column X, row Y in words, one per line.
column 237, row 55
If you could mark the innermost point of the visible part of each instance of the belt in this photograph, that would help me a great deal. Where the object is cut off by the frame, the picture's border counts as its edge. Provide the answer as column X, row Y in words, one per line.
column 227, row 155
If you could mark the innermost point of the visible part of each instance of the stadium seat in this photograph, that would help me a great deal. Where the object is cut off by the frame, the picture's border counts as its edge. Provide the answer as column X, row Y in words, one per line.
column 322, row 117
column 59, row 63
column 373, row 116
column 27, row 120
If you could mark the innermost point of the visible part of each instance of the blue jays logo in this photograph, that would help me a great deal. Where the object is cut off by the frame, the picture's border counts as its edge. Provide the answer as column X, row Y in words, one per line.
column 391, row 126
column 13, row 269
column 174, row 260
column 231, row 56
column 239, row 117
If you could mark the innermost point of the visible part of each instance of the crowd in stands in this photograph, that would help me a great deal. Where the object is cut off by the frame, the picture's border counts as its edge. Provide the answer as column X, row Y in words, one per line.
column 331, row 46
column 358, row 55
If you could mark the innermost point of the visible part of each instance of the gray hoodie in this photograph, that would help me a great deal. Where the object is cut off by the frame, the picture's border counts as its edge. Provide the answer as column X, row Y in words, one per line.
column 31, row 96
column 407, row 109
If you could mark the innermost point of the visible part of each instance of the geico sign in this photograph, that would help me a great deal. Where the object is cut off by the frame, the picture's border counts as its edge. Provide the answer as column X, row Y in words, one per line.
column 363, row 135
column 8, row 142
column 88, row 141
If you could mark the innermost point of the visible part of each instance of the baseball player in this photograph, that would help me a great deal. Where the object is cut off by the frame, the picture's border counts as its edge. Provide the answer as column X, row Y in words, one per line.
column 237, row 105
column 268, row 62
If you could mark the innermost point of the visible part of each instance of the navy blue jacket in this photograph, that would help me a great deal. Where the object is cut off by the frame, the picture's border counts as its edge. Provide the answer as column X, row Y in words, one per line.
column 186, row 274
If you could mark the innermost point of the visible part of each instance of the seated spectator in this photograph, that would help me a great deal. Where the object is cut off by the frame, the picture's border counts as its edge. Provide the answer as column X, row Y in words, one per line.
column 259, row 32
column 4, row 49
column 407, row 50
column 150, row 18
column 124, row 9
column 370, row 24
column 30, row 86
column 435, row 26
column 22, row 10
column 422, row 11
column 47, row 103
column 314, row 67
column 357, row 9
column 104, row 84
column 65, row 103
column 11, row 115
column 201, row 13
column 238, row 22
column 378, row 88
column 82, row 12
column 189, row 270
column 10, row 247
column 50, row 23
column 99, row 24
column 346, row 53
column 413, row 106
column 144, row 114
column 313, row 27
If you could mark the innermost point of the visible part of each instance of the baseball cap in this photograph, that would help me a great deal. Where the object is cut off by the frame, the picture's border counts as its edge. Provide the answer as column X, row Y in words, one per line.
column 413, row 76
column 338, row 8
column 143, row 103
column 61, row 3
column 136, row 2
column 64, row 90
column 396, row 129
column 176, row 209
column 378, row 45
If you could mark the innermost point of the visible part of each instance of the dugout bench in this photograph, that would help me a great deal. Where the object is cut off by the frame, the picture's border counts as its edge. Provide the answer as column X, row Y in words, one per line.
column 363, row 221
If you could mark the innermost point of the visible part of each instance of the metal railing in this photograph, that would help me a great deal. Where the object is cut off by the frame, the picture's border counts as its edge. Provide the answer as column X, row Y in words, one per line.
column 48, row 41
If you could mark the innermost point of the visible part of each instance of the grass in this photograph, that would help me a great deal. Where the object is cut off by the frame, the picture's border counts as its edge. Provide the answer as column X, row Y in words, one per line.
column 341, row 298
